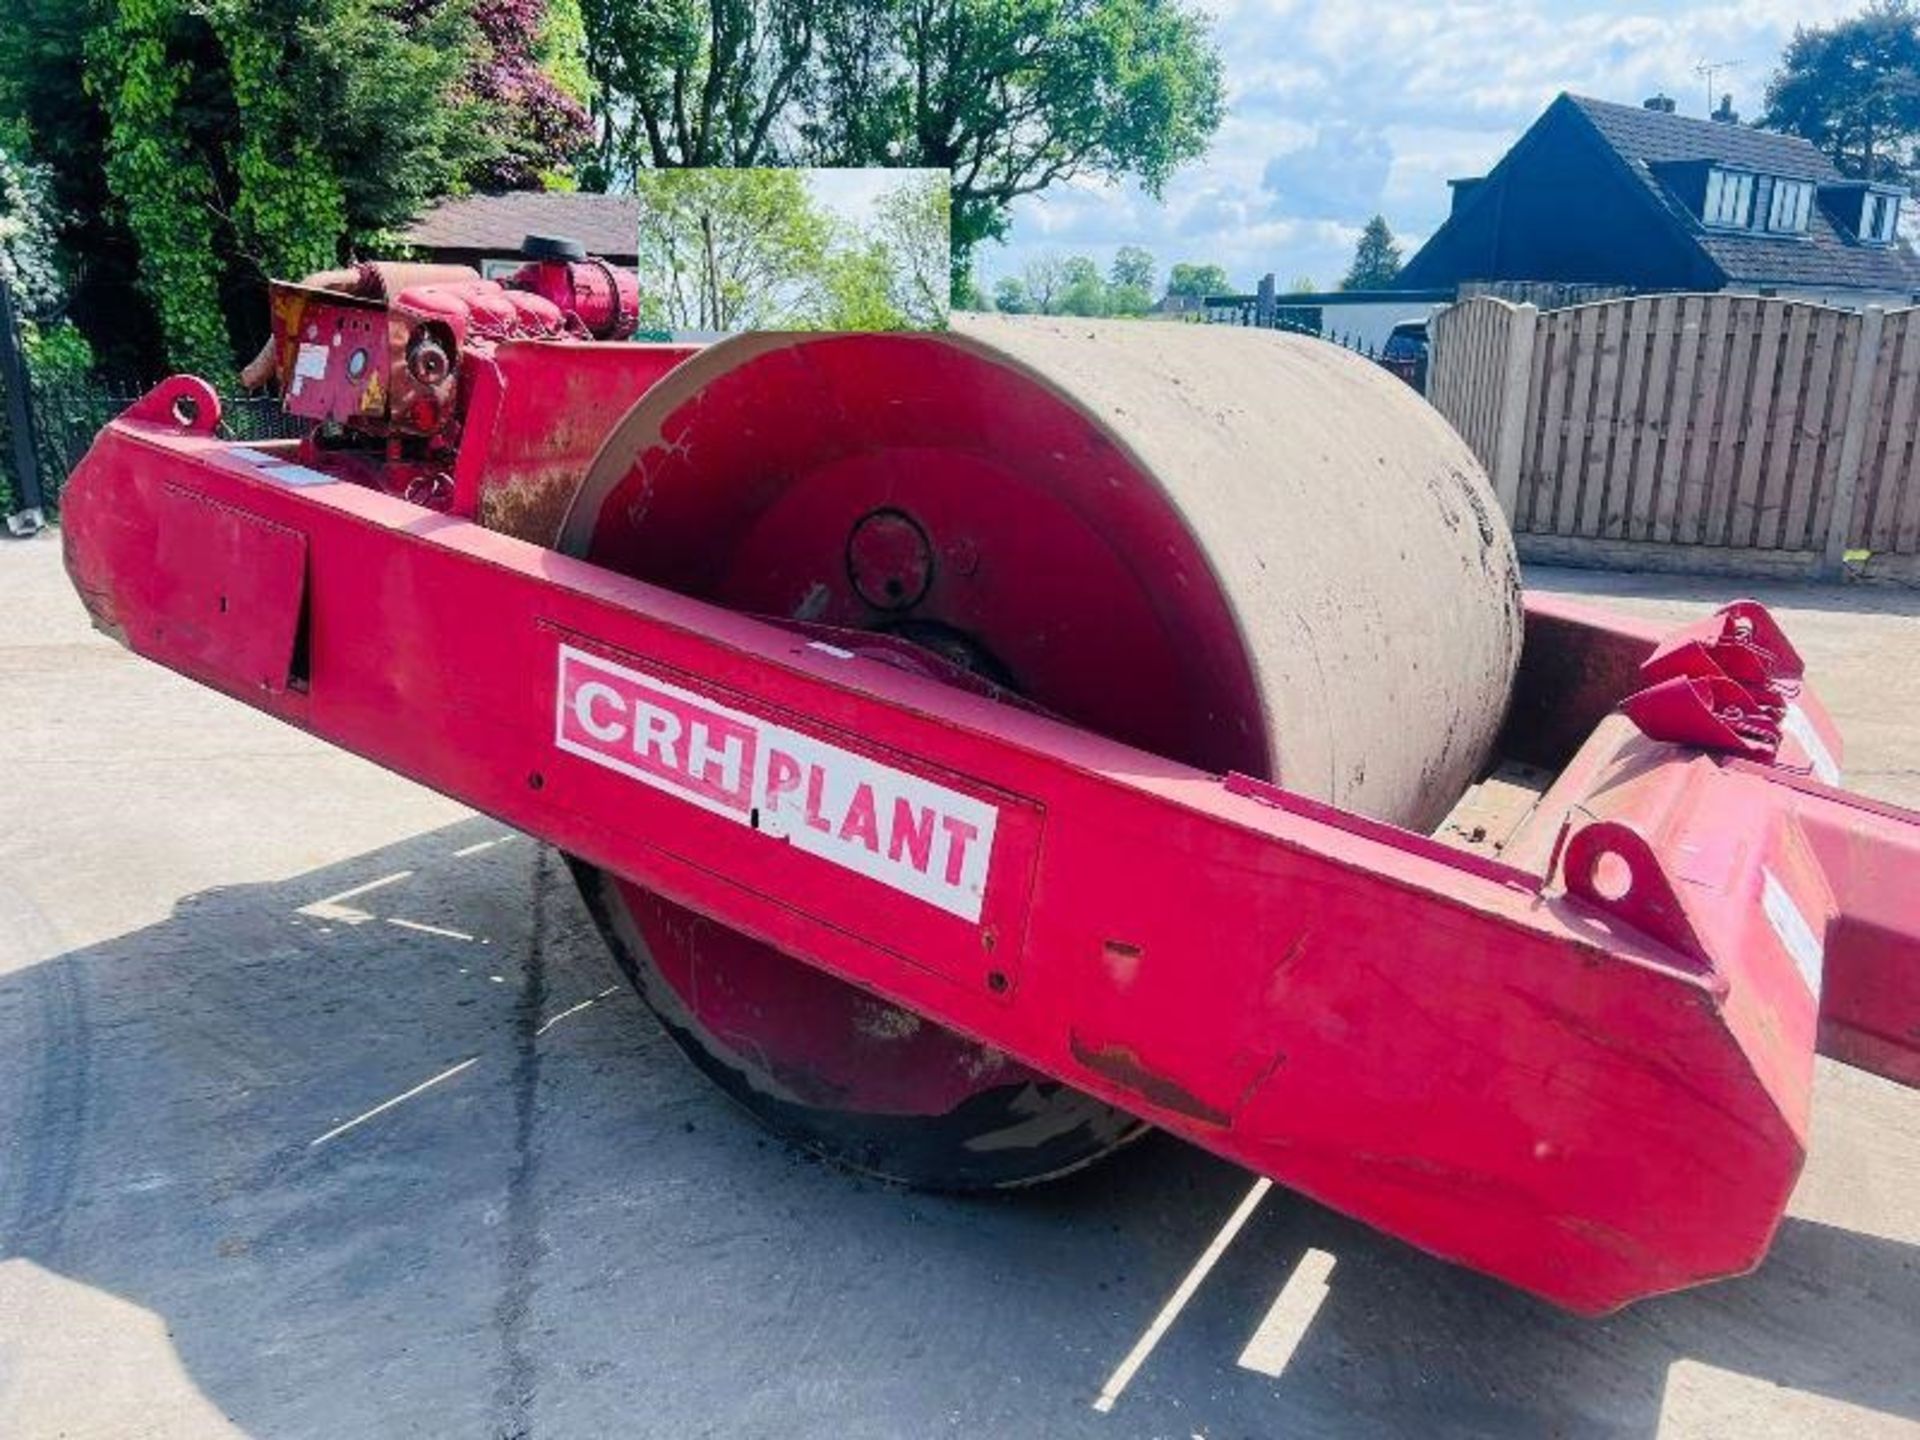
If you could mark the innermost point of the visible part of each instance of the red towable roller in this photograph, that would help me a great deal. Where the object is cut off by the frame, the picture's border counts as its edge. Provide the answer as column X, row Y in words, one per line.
column 978, row 746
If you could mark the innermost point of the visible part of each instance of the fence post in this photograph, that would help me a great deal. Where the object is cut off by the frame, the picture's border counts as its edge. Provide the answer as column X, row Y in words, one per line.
column 28, row 513
column 1515, row 385
column 1853, row 441
column 1263, row 307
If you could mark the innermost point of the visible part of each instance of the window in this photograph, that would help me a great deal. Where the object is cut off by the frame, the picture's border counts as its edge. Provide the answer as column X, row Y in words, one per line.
column 1880, row 217
column 1729, row 199
column 1792, row 206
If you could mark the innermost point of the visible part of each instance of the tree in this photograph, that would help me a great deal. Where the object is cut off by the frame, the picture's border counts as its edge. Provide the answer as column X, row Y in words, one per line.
column 541, row 123
column 1007, row 96
column 857, row 288
column 1044, row 279
column 1012, row 96
column 199, row 147
column 243, row 143
column 1853, row 89
column 1376, row 259
column 1010, row 296
column 1197, row 282
column 744, row 249
column 1083, row 292
column 1302, row 285
column 28, row 263
column 52, row 125
column 1133, row 267
column 694, row 82
column 730, row 249
column 1130, row 282
column 970, row 295
column 914, row 222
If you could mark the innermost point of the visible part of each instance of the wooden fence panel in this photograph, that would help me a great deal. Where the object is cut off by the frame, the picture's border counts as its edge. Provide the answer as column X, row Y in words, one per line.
column 1684, row 346
column 1767, row 521
column 1468, row 393
column 1733, row 422
column 1886, row 476
column 1846, row 396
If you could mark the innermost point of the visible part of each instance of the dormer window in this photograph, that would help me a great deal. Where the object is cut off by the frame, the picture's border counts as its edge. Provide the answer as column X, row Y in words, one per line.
column 1729, row 199
column 1880, row 217
column 1791, row 207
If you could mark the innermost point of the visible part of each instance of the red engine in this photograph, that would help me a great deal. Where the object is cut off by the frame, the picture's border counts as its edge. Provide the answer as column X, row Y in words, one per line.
column 374, row 353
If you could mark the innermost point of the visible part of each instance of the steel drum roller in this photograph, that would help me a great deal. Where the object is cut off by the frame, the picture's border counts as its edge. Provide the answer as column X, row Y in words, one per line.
column 1238, row 549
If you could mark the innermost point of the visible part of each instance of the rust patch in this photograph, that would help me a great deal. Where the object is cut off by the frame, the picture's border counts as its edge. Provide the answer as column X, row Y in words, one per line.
column 1119, row 1064
column 531, row 505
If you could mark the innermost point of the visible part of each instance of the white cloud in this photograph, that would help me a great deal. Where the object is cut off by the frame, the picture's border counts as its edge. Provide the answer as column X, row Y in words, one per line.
column 1338, row 108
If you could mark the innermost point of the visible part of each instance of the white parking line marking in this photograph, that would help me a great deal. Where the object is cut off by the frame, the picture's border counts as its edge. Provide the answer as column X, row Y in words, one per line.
column 331, row 908
column 576, row 1009
column 1293, row 1309
column 429, row 929
column 466, row 850
column 386, row 1105
column 1182, row 1293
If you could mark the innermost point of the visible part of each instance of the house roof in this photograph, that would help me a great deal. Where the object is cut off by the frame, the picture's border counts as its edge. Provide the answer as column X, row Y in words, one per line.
column 1826, row 255
column 607, row 225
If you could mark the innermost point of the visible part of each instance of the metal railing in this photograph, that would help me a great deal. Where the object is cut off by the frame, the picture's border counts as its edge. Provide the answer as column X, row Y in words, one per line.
column 64, row 416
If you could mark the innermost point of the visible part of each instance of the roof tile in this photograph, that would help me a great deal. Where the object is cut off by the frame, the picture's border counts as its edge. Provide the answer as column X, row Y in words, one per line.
column 607, row 225
column 1826, row 255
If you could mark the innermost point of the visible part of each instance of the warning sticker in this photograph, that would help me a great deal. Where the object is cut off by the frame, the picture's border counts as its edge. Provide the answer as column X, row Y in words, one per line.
column 311, row 363
column 902, row 830
column 1825, row 768
column 1809, row 954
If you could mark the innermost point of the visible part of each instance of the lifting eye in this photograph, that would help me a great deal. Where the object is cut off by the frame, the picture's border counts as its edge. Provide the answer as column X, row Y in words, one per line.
column 1612, row 875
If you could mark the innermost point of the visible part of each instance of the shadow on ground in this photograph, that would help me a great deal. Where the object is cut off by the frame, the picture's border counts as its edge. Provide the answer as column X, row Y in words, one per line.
column 574, row 1235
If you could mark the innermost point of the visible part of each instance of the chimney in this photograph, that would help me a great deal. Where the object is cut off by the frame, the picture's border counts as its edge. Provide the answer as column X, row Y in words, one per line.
column 1726, row 114
column 1663, row 104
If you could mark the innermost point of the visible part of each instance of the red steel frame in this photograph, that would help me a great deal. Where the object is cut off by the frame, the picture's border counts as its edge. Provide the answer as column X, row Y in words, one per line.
column 1584, row 1069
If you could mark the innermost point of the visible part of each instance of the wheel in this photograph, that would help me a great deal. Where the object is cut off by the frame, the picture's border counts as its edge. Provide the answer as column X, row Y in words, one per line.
column 1116, row 523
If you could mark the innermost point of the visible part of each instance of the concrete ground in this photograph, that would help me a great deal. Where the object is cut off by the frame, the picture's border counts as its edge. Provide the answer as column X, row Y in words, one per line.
column 324, row 1114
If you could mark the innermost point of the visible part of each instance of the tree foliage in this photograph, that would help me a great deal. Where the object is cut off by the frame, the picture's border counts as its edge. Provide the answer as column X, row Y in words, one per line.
column 1009, row 96
column 737, row 249
column 1130, row 281
column 540, row 123
column 152, row 168
column 28, row 262
column 1197, row 282
column 198, row 147
column 727, row 249
column 694, row 82
column 1015, row 95
column 914, row 225
column 1376, row 258
column 247, row 139
column 1073, row 285
column 1853, row 89
column 856, row 291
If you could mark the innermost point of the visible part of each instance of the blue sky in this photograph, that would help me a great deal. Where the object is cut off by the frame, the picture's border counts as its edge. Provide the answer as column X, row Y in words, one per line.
column 1338, row 109
column 854, row 194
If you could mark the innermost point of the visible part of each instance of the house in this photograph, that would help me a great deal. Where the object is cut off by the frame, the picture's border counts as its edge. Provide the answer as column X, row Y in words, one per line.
column 1641, row 198
column 1358, row 319
column 485, row 231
